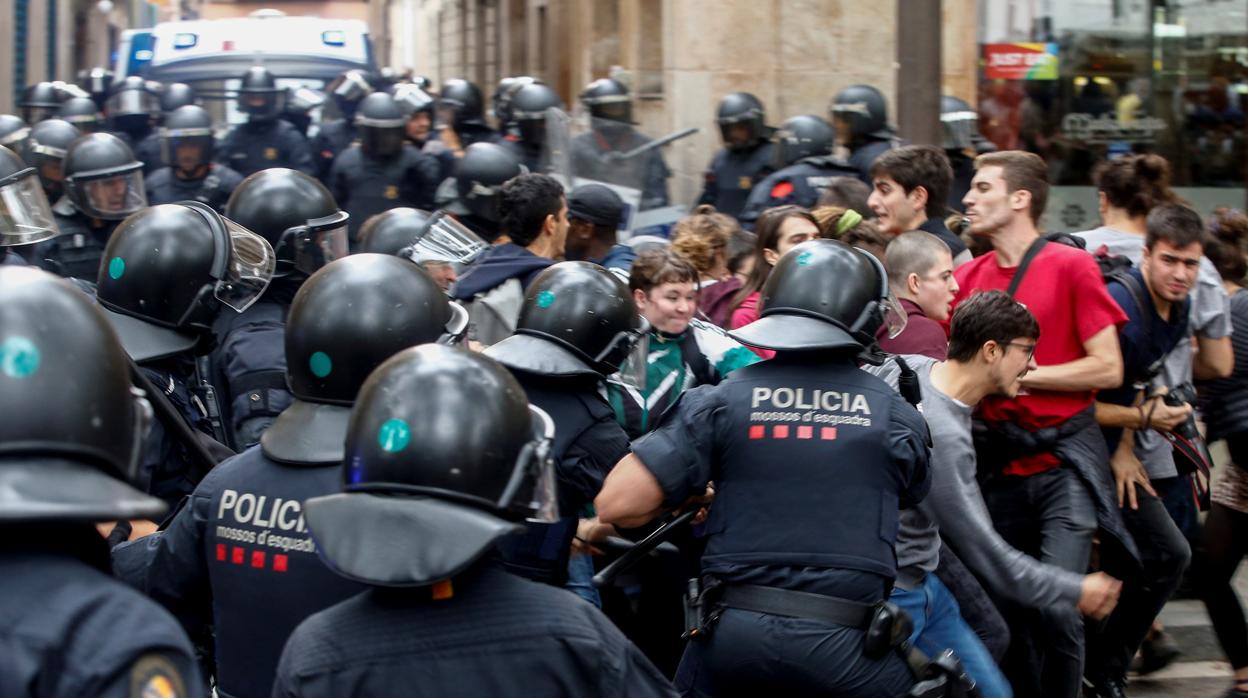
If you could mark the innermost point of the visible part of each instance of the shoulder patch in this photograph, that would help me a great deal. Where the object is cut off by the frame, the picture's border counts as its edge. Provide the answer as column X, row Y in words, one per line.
column 782, row 190
column 154, row 676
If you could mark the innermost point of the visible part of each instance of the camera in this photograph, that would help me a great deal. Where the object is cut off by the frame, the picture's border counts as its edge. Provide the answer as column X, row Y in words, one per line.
column 1179, row 395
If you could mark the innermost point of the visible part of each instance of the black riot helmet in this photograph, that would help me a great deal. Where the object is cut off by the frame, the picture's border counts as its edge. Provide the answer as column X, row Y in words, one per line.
column 608, row 98
column 460, row 104
column 429, row 486
column 960, row 123
column 98, row 82
column 259, row 96
column 391, row 231
column 186, row 139
column 823, row 294
column 346, row 319
column 801, row 137
column 860, row 113
column 71, row 427
column 25, row 215
column 39, row 101
column 527, row 109
column 577, row 319
column 45, row 150
column 500, row 101
column 413, row 99
column 296, row 214
column 741, row 109
column 178, row 94
column 380, row 124
column 480, row 174
column 13, row 131
column 348, row 90
column 102, row 177
column 169, row 270
column 132, row 105
column 83, row 113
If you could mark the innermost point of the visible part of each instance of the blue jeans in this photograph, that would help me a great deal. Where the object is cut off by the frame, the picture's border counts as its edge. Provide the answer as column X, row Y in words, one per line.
column 580, row 578
column 938, row 626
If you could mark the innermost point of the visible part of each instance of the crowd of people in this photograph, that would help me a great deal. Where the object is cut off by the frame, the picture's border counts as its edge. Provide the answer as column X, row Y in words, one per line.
column 369, row 413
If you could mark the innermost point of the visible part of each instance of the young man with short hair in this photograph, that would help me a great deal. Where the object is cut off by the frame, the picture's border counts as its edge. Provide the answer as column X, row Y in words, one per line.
column 595, row 212
column 534, row 219
column 920, row 274
column 1156, row 298
column 910, row 186
column 1049, row 487
column 990, row 349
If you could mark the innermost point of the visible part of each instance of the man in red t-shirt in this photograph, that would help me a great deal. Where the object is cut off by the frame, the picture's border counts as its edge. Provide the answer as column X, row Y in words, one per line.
column 1040, row 503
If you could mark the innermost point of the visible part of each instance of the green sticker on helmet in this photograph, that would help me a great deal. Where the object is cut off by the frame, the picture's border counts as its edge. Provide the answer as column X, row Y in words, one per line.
column 116, row 267
column 321, row 364
column 394, row 435
column 19, row 357
column 545, row 299
column 803, row 258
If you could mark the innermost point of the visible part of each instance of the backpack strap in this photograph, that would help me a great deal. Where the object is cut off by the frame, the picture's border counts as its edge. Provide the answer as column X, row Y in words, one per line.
column 1031, row 253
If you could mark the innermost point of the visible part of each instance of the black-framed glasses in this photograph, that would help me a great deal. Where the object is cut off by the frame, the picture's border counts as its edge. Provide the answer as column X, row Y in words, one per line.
column 1029, row 348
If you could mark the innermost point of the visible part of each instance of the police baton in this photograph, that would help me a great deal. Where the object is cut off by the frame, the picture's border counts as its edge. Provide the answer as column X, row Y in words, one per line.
column 641, row 549
column 201, row 460
column 659, row 143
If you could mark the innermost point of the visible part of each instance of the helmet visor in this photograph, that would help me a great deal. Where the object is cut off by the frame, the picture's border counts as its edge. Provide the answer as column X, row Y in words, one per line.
column 894, row 316
column 960, row 128
column 532, row 490
column 249, row 269
column 187, row 148
column 25, row 216
column 352, row 88
column 412, row 99
column 130, row 103
column 14, row 140
column 112, row 197
column 445, row 239
column 319, row 242
column 261, row 103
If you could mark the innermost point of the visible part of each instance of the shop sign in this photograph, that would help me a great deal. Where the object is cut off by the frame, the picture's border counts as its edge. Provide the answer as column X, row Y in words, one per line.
column 1020, row 61
column 1106, row 128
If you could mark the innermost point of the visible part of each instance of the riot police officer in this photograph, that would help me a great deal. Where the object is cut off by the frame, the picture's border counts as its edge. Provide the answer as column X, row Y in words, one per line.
column 39, row 101
column 459, row 118
column 425, row 501
column 418, row 107
column 400, row 231
column 307, row 230
column 805, row 165
column 472, row 194
column 346, row 320
column 70, row 432
column 46, row 146
column 611, row 109
column 98, row 83
column 745, row 158
column 168, row 272
column 191, row 175
column 103, row 185
column 961, row 128
column 393, row 231
column 500, row 101
column 131, row 112
column 175, row 95
column 382, row 171
column 577, row 325
column 83, row 113
column 860, row 115
column 13, row 132
column 264, row 140
column 526, row 122
column 25, row 216
column 767, row 437
column 336, row 135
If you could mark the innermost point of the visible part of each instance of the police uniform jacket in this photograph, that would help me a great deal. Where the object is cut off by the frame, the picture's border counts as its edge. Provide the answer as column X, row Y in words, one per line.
column 648, row 171
column 248, row 365
column 811, row 459
column 69, row 629
column 365, row 186
column 497, row 635
column 214, row 188
column 732, row 175
column 865, row 155
column 800, row 184
column 76, row 252
column 239, row 543
column 259, row 145
column 331, row 138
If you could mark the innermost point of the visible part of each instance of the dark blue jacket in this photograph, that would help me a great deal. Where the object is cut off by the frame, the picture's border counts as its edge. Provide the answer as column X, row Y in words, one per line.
column 495, row 266
column 937, row 227
column 731, row 176
column 259, row 145
column 214, row 188
column 364, row 186
column 800, row 184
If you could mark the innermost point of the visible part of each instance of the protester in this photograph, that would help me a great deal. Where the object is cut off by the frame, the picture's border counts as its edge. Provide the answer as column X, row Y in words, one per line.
column 779, row 230
column 703, row 238
column 920, row 274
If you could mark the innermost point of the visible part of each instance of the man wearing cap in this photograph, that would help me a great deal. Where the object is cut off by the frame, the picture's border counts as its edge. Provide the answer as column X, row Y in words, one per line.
column 421, row 511
column 71, row 430
column 595, row 213
column 237, row 554
column 811, row 459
